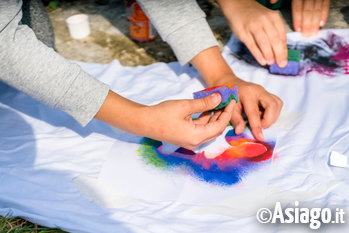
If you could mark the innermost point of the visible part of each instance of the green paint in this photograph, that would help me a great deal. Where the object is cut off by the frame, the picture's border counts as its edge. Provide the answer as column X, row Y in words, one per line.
column 293, row 55
column 223, row 104
column 147, row 151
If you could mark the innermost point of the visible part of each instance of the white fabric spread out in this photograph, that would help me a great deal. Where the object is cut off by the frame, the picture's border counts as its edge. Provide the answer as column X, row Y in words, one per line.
column 55, row 173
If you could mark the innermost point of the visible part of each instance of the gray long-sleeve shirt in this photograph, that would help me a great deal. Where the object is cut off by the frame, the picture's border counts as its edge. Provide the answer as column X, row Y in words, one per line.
column 182, row 24
column 33, row 68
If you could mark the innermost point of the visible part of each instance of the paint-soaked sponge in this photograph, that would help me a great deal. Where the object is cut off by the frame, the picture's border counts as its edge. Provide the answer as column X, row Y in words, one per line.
column 292, row 67
column 293, row 55
column 227, row 92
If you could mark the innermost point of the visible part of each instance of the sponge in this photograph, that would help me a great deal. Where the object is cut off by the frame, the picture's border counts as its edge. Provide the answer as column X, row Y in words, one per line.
column 227, row 92
column 293, row 55
column 292, row 67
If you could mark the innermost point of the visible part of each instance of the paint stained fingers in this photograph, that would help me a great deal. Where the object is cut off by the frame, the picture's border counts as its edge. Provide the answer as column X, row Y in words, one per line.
column 254, row 49
column 307, row 17
column 271, row 110
column 324, row 12
column 264, row 45
column 297, row 13
column 252, row 113
column 316, row 17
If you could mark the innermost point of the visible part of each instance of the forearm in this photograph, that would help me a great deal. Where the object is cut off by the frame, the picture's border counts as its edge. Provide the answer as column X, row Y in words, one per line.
column 124, row 114
column 213, row 68
column 231, row 8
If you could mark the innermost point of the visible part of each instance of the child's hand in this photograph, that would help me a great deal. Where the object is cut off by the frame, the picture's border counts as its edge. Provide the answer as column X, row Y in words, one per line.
column 260, row 29
column 309, row 15
column 171, row 121
column 261, row 107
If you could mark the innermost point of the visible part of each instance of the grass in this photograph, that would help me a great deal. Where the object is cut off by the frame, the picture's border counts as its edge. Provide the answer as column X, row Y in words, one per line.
column 18, row 225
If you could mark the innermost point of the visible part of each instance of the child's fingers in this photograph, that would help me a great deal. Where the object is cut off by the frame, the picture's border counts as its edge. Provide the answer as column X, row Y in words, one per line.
column 236, row 119
column 316, row 17
column 203, row 104
column 307, row 17
column 215, row 128
column 203, row 118
column 272, row 108
column 215, row 116
column 279, row 46
column 279, row 25
column 324, row 12
column 254, row 49
column 224, row 117
column 264, row 45
column 252, row 112
column 297, row 11
column 227, row 113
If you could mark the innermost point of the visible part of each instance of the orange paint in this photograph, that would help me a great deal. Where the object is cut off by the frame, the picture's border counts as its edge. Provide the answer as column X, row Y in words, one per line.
column 140, row 27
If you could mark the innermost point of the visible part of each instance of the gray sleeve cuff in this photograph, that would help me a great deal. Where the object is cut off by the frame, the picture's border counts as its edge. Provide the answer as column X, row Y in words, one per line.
column 189, row 40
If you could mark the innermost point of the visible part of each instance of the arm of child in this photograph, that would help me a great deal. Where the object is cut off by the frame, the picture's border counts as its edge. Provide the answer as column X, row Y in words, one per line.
column 169, row 121
column 37, row 70
column 33, row 68
column 182, row 24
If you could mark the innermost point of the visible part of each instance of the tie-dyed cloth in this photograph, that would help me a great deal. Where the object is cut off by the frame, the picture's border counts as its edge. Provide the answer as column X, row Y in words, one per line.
column 100, row 179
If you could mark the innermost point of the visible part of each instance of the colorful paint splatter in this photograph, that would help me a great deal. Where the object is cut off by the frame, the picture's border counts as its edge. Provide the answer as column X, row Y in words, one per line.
column 243, row 155
column 328, row 56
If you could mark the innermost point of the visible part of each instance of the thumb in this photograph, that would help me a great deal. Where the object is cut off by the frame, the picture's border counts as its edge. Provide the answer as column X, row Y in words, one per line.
column 206, row 103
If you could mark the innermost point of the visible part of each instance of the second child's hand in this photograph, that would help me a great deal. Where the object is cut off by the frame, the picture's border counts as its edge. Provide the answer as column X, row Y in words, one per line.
column 261, row 107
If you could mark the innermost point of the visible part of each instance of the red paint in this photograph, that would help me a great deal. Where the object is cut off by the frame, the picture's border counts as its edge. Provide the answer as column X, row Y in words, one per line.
column 229, row 85
column 250, row 149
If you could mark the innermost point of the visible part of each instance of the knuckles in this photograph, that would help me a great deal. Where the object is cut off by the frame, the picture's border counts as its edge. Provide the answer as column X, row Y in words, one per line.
column 280, row 103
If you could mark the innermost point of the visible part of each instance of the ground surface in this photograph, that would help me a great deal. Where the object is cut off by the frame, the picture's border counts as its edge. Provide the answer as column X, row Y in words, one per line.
column 109, row 40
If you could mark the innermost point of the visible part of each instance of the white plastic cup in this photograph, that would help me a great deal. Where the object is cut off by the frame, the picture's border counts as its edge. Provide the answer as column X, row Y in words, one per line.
column 78, row 26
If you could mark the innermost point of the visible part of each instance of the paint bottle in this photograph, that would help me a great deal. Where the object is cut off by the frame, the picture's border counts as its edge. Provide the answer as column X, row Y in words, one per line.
column 141, row 29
